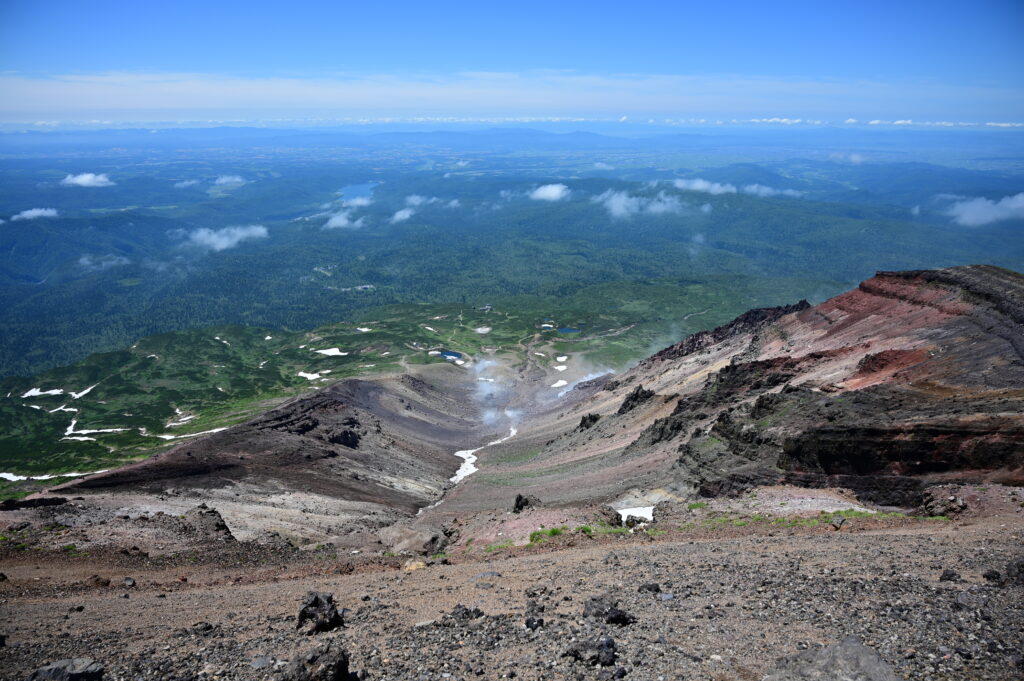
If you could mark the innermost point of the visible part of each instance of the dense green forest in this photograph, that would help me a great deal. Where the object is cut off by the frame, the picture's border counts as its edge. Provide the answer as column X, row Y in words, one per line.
column 146, row 254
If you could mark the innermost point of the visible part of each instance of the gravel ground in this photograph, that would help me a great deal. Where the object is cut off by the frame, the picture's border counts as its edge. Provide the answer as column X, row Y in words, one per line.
column 724, row 608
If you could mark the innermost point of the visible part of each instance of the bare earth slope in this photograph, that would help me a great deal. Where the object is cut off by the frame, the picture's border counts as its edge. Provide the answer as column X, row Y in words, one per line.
column 912, row 379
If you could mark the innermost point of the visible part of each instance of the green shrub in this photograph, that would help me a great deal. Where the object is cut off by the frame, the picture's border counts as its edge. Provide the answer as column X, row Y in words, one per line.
column 494, row 547
column 695, row 505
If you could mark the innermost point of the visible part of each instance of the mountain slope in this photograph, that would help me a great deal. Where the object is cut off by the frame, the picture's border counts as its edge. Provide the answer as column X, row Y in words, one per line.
column 911, row 379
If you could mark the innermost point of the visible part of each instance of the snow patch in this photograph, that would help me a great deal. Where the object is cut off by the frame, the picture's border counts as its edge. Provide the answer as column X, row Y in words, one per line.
column 559, row 383
column 562, row 358
column 36, row 392
column 77, row 395
column 363, row 329
column 561, row 367
column 469, row 458
column 482, row 329
column 14, row 477
column 429, row 328
column 645, row 512
column 89, row 431
column 331, row 352
column 179, row 437
column 62, row 407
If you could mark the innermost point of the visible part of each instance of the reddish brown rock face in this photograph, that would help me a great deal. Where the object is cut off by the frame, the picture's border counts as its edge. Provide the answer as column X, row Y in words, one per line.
column 909, row 379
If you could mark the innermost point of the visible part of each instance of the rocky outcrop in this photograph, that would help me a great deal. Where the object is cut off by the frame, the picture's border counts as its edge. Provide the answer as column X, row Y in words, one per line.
column 76, row 669
column 911, row 379
column 847, row 660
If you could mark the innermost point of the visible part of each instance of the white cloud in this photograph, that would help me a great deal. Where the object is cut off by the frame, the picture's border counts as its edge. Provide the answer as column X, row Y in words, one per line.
column 550, row 192
column 228, row 237
column 764, row 192
column 706, row 209
column 402, row 215
column 705, row 186
column 981, row 211
column 185, row 183
column 417, row 200
column 94, row 263
column 601, row 165
column 358, row 202
column 229, row 179
column 915, row 211
column 850, row 121
column 343, row 220
column 87, row 180
column 33, row 213
column 454, row 203
column 545, row 93
column 2, row 221
column 622, row 205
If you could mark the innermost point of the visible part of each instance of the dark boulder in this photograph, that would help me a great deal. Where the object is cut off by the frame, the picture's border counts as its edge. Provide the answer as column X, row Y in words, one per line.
column 523, row 502
column 77, row 669
column 588, row 421
column 464, row 614
column 327, row 663
column 318, row 613
column 949, row 576
column 605, row 608
column 601, row 651
column 847, row 660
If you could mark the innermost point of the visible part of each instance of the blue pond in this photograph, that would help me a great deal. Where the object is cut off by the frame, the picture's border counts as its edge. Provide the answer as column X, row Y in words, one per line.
column 358, row 191
column 568, row 329
column 451, row 354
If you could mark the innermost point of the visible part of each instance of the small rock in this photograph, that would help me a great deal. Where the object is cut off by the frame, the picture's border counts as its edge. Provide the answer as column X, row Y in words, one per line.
column 949, row 576
column 1015, row 572
column 534, row 623
column 261, row 662
column 129, row 582
column 650, row 588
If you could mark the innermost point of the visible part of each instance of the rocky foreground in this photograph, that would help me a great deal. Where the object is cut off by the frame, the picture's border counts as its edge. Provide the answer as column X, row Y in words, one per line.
column 925, row 599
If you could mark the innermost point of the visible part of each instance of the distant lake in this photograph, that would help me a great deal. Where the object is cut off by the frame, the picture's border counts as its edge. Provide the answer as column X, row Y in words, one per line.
column 451, row 354
column 358, row 191
column 568, row 329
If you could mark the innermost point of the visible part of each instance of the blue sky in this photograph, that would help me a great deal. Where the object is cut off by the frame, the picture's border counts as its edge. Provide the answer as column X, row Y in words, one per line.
column 922, row 61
